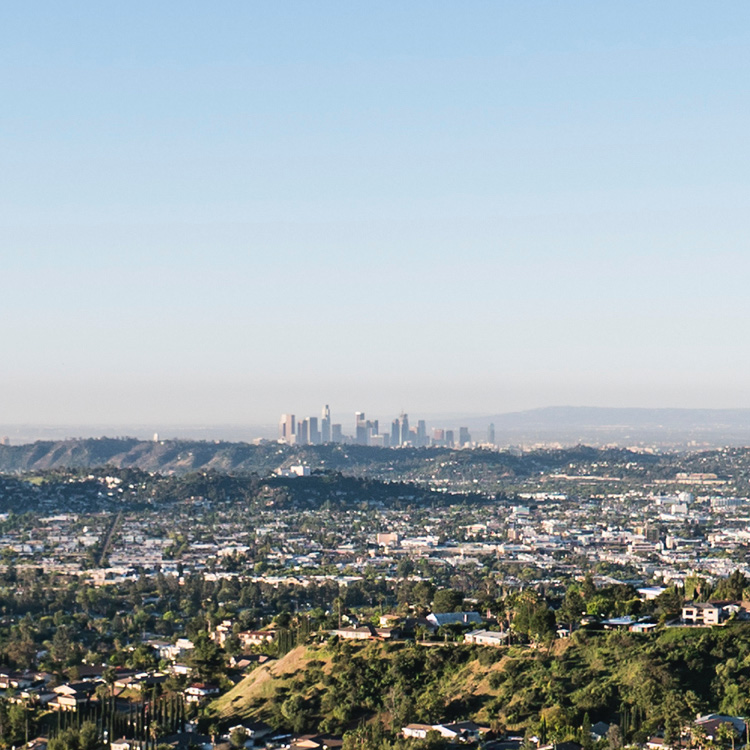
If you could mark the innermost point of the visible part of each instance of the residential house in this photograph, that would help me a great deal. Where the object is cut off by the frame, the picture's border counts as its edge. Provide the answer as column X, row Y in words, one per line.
column 199, row 691
column 462, row 731
column 388, row 634
column 657, row 743
column 88, row 672
column 249, row 638
column 618, row 623
column 126, row 744
column 417, row 731
column 643, row 626
column 599, row 730
column 16, row 680
column 72, row 695
column 255, row 731
column 709, row 613
column 222, row 632
column 187, row 741
column 486, row 638
column 355, row 633
column 453, row 618
column 316, row 742
column 711, row 723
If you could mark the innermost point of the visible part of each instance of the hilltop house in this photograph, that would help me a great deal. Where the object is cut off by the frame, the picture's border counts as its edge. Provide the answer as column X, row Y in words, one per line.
column 198, row 691
column 462, row 731
column 437, row 620
column 486, row 638
column 710, row 613
column 360, row 633
column 71, row 695
column 711, row 723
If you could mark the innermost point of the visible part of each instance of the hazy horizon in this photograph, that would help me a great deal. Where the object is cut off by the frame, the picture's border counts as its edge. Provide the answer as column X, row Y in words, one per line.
column 553, row 424
column 222, row 214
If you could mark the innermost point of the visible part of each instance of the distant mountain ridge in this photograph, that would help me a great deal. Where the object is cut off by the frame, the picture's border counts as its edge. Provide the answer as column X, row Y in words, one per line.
column 186, row 456
column 167, row 456
column 603, row 416
column 566, row 426
column 600, row 425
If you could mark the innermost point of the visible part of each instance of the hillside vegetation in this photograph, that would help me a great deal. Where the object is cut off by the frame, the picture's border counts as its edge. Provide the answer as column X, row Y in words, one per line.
column 642, row 682
column 443, row 465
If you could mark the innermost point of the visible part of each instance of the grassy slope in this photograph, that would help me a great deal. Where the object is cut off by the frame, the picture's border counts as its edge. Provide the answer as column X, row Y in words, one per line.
column 241, row 701
column 246, row 699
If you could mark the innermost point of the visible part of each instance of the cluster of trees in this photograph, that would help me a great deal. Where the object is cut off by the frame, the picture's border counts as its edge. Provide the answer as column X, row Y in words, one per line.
column 161, row 712
column 85, row 737
column 735, row 587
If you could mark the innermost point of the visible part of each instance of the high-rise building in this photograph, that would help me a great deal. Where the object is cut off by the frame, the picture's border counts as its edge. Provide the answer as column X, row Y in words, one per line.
column 325, row 425
column 303, row 431
column 403, row 429
column 314, row 435
column 337, row 435
column 449, row 439
column 395, row 433
column 438, row 436
column 360, row 428
column 491, row 434
column 287, row 428
column 421, row 433
column 464, row 438
column 373, row 429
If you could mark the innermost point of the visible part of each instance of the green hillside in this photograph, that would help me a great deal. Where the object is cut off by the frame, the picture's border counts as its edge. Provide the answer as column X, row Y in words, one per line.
column 642, row 682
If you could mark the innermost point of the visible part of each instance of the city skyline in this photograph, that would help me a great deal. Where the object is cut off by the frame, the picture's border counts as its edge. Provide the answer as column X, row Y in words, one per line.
column 395, row 433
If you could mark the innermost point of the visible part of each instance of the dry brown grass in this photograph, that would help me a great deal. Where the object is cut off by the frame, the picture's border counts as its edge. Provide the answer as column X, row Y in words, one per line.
column 260, row 684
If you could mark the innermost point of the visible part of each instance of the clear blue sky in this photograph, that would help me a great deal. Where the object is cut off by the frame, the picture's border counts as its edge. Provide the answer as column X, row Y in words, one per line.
column 216, row 212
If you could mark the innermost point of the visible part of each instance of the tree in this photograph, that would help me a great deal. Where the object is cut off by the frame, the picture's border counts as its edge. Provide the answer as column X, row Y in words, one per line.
column 533, row 618
column 726, row 733
column 732, row 587
column 447, row 600
column 614, row 737
column 669, row 603
column 695, row 588
column 405, row 567
column 238, row 737
column 589, row 587
column 62, row 649
column 677, row 714
column 698, row 734
column 293, row 710
column 586, row 740
column 85, row 738
column 571, row 609
column 207, row 658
